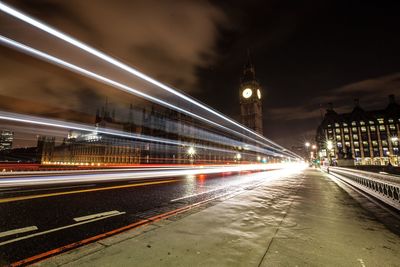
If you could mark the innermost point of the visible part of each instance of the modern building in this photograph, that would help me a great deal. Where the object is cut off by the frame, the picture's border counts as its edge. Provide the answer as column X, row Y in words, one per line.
column 6, row 139
column 366, row 137
column 33, row 154
column 250, row 99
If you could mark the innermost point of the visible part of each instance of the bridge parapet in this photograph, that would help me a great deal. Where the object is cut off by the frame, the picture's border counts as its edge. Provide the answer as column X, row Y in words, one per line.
column 382, row 186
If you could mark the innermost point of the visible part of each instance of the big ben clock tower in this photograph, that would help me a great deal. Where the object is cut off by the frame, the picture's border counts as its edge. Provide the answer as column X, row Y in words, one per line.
column 250, row 99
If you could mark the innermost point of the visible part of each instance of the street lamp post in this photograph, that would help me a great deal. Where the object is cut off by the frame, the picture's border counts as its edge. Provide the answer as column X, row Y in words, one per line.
column 191, row 152
column 395, row 143
column 314, row 147
column 307, row 145
column 313, row 153
column 329, row 147
column 389, row 157
column 238, row 157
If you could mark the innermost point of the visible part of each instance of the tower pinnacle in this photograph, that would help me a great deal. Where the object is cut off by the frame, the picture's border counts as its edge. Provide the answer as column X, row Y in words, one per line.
column 249, row 73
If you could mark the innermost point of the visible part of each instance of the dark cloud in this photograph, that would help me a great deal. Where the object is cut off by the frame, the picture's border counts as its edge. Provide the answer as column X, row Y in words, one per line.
column 371, row 92
column 168, row 40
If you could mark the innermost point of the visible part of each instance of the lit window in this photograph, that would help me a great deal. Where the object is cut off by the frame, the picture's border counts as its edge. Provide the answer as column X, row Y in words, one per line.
column 380, row 121
column 362, row 123
column 353, row 123
column 392, row 127
column 384, row 143
column 374, row 143
column 337, row 130
column 390, row 120
column 382, row 128
column 354, row 129
column 337, row 125
column 344, row 124
column 355, row 136
column 338, row 137
column 346, row 137
column 363, row 129
column 365, row 143
column 346, row 130
column 356, row 144
column 371, row 122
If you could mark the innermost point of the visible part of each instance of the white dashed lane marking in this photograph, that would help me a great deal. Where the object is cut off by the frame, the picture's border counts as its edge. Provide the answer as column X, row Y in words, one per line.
column 18, row 231
column 98, row 215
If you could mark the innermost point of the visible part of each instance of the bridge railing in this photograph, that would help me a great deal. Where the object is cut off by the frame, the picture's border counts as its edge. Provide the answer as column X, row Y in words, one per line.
column 382, row 186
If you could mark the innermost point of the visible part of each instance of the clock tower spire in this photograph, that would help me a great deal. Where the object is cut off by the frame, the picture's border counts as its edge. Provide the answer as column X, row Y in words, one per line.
column 250, row 98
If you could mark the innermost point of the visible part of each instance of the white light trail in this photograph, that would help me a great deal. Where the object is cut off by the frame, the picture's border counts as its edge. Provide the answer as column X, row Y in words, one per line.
column 80, row 127
column 113, row 83
column 19, row 181
column 52, row 31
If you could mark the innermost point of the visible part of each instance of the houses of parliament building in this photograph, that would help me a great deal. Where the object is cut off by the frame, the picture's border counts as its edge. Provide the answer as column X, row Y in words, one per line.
column 99, row 148
column 138, row 140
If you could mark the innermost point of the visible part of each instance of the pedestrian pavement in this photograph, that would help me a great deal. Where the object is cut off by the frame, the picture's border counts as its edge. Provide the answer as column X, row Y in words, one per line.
column 301, row 219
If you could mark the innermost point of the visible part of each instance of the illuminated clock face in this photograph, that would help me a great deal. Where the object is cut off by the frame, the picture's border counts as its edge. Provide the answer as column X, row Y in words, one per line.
column 247, row 93
column 259, row 93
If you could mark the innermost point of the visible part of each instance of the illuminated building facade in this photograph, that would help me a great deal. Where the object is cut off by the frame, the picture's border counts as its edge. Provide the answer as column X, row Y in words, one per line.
column 6, row 139
column 191, row 134
column 367, row 137
column 83, row 148
column 250, row 99
column 92, row 149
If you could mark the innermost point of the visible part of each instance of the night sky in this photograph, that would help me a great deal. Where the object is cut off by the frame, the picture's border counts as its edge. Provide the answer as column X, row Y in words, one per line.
column 306, row 53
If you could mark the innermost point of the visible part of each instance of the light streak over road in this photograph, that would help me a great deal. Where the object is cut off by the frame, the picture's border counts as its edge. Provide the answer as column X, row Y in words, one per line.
column 92, row 176
column 103, row 79
column 28, row 197
column 81, row 127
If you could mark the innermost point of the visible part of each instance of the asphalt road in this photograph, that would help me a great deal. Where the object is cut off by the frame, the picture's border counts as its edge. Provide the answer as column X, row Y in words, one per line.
column 34, row 220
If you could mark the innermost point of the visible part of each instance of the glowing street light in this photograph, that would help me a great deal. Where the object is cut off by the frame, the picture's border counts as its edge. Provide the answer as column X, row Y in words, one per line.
column 307, row 145
column 191, row 151
column 329, row 145
column 314, row 146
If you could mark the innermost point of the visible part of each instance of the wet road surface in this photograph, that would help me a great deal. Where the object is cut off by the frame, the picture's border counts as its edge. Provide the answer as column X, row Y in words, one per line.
column 38, row 219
